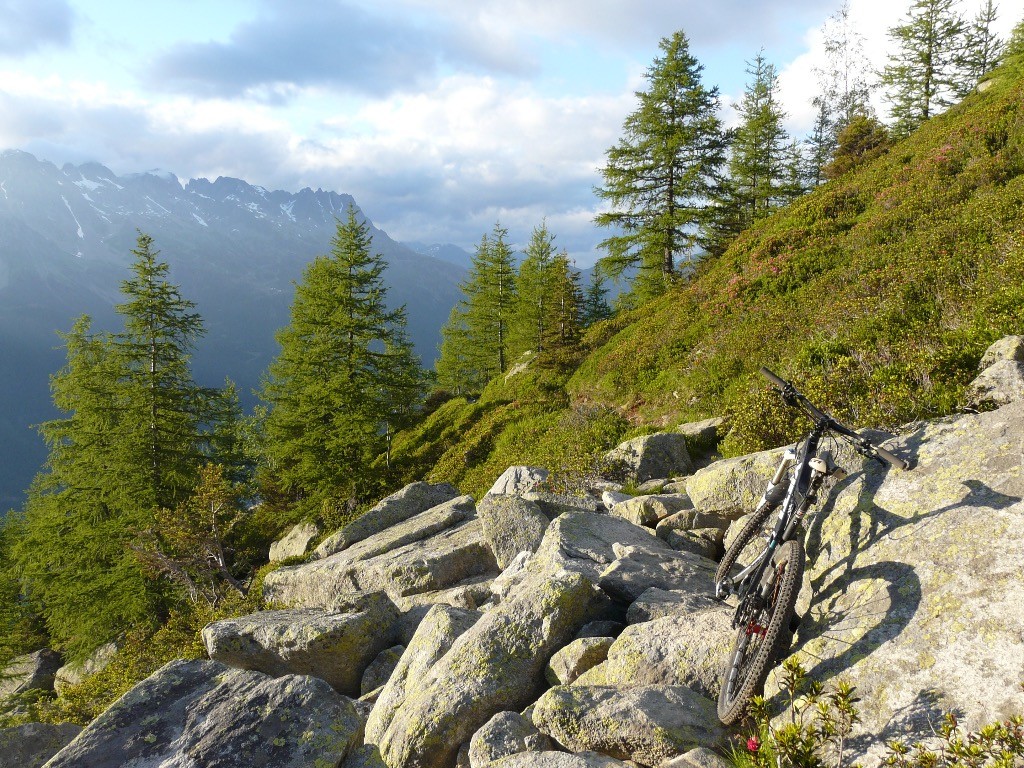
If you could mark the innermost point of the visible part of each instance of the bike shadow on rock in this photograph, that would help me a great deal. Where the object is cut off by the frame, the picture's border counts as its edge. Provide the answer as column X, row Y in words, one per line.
column 924, row 715
column 854, row 609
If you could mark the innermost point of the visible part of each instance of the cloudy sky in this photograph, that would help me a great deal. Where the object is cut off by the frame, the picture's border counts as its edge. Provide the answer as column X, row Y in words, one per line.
column 439, row 116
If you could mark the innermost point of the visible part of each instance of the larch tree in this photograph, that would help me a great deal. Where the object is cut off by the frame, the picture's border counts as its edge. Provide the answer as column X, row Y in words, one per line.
column 131, row 441
column 595, row 305
column 662, row 175
column 330, row 387
column 920, row 78
column 534, row 293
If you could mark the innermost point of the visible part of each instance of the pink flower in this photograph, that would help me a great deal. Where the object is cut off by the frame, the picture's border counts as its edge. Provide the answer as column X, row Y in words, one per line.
column 753, row 744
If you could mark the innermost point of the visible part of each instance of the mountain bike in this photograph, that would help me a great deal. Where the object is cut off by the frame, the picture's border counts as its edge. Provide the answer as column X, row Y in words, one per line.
column 771, row 571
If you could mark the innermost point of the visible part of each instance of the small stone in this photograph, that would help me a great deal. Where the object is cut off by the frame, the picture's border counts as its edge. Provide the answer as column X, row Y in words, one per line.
column 576, row 658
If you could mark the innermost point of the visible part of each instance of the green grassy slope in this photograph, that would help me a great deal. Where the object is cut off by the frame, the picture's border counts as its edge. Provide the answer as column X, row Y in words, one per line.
column 877, row 293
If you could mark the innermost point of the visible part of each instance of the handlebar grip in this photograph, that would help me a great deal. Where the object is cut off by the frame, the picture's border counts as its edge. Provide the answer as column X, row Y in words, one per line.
column 780, row 383
column 891, row 458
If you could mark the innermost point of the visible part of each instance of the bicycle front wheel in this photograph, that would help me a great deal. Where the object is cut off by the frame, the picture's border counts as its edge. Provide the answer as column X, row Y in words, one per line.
column 759, row 641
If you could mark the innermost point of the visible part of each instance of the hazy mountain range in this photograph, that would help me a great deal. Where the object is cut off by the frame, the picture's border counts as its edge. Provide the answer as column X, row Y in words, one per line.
column 234, row 248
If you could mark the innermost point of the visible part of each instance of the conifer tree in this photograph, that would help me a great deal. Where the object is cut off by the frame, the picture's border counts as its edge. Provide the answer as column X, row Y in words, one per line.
column 476, row 343
column 921, row 73
column 595, row 304
column 534, row 288
column 130, row 442
column 167, row 410
column 981, row 51
column 864, row 139
column 330, row 386
column 454, row 367
column 761, row 162
column 562, row 325
column 660, row 178
column 821, row 143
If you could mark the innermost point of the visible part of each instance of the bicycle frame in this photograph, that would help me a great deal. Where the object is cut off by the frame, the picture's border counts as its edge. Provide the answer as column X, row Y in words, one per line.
column 805, row 469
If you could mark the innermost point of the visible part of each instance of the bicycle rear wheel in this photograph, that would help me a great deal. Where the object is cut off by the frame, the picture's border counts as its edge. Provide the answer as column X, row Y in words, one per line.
column 759, row 642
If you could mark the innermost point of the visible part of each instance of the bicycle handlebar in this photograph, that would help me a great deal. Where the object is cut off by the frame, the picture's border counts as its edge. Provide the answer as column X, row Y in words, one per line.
column 790, row 393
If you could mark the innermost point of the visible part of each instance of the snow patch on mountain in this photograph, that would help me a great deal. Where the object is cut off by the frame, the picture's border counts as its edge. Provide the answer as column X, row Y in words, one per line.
column 67, row 205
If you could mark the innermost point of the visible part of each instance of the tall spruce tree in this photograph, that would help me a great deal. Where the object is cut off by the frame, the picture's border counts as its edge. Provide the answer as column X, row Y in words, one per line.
column 660, row 178
column 762, row 173
column 331, row 387
column 475, row 342
column 131, row 441
column 920, row 77
column 562, row 325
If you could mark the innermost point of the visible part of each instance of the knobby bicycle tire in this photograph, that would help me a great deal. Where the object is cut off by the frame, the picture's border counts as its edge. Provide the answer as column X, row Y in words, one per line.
column 750, row 529
column 752, row 661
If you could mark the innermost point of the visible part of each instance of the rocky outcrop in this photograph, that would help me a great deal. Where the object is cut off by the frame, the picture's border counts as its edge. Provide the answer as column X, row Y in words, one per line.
column 507, row 733
column 33, row 671
column 515, row 481
column 1001, row 380
column 511, row 525
column 496, row 665
column 32, row 744
column 73, row 674
column 637, row 569
column 203, row 713
column 295, row 543
column 579, row 656
column 911, row 593
column 388, row 512
column 644, row 724
column 688, row 649
column 660, row 455
column 433, row 638
column 336, row 647
column 584, row 542
column 650, row 510
column 427, row 552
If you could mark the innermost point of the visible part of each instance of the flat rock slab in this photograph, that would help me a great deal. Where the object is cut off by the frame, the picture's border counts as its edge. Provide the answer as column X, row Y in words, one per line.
column 660, row 455
column 657, row 603
column 516, row 481
column 507, row 733
column 584, row 542
column 33, row 671
column 637, row 569
column 448, row 556
column 336, row 647
column 688, row 650
column 555, row 504
column 389, row 511
column 32, row 744
column 201, row 713
column 497, row 665
column 472, row 593
column 1007, row 348
column 652, row 723
column 511, row 525
column 295, row 543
